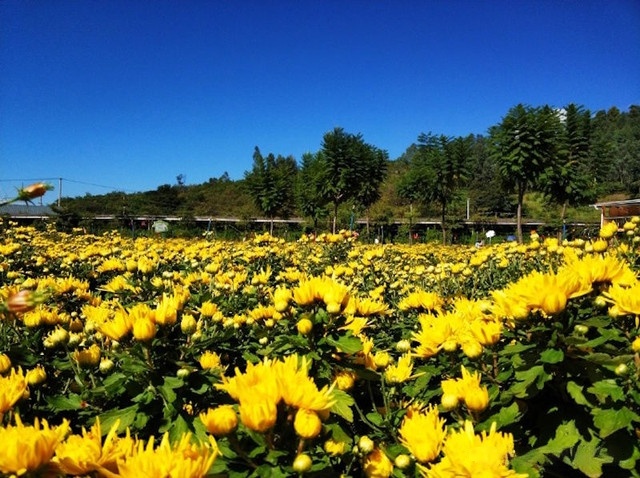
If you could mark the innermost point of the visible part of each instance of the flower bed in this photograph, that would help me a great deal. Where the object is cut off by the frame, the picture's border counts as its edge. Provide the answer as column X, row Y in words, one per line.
column 324, row 357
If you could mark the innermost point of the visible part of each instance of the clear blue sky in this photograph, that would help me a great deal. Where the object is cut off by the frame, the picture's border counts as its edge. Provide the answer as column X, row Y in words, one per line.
column 129, row 94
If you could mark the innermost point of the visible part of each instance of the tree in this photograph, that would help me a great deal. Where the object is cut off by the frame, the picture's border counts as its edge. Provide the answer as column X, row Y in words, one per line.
column 436, row 172
column 485, row 186
column 566, row 180
column 523, row 145
column 269, row 184
column 375, row 170
column 308, row 187
column 345, row 160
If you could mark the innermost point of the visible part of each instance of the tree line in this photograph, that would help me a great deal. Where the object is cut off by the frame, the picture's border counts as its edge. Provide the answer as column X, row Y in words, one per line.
column 566, row 156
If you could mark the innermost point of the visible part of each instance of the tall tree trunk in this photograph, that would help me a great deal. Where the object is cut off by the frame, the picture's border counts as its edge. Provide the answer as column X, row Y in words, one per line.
column 519, row 213
column 368, row 231
column 442, row 224
column 335, row 216
column 271, row 227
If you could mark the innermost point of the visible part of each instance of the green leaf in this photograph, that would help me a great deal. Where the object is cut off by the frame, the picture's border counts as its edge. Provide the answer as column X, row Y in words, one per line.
column 125, row 415
column 567, row 435
column 375, row 418
column 178, row 428
column 506, row 415
column 168, row 386
column 337, row 433
column 69, row 402
column 607, row 388
column 611, row 420
column 347, row 344
column 552, row 356
column 342, row 403
column 575, row 391
column 587, row 461
column 526, row 378
column 114, row 383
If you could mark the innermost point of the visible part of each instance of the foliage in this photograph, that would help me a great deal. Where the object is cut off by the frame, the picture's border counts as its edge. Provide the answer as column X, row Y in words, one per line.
column 596, row 156
column 524, row 145
column 437, row 171
column 269, row 184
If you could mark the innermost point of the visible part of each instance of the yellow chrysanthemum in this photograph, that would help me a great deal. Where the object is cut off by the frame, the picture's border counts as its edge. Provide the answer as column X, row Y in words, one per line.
column 27, row 448
column 182, row 459
column 377, row 465
column 423, row 433
column 401, row 371
column 467, row 454
column 12, row 388
column 86, row 453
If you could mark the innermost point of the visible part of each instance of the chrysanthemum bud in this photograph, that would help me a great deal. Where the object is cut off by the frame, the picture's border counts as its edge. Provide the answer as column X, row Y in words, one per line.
column 635, row 345
column 307, row 424
column 22, row 302
column 183, row 373
column 449, row 401
column 5, row 363
column 302, row 463
column 403, row 346
column 36, row 375
column 220, row 421
column 402, row 461
column 188, row 324
column 304, row 326
column 33, row 191
column 106, row 365
column 365, row 444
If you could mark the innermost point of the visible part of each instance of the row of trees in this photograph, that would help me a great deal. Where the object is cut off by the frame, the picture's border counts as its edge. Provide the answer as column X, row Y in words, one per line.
column 346, row 169
column 566, row 156
column 558, row 152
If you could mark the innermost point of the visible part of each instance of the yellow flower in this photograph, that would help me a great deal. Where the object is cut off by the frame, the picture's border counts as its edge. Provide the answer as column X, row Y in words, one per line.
column 423, row 433
column 466, row 454
column 281, row 299
column 307, row 424
column 334, row 448
column 259, row 415
column 5, row 363
column 304, row 326
column 88, row 357
column 220, row 421
column 86, row 453
column 210, row 361
column 344, row 380
column 626, row 299
column 144, row 329
column 609, row 230
column 36, row 375
column 367, row 307
column 188, row 324
column 600, row 245
column 182, row 459
column 118, row 327
column 466, row 389
column 421, row 301
column 166, row 313
column 400, row 372
column 12, row 389
column 377, row 465
column 298, row 389
column 208, row 309
column 26, row 448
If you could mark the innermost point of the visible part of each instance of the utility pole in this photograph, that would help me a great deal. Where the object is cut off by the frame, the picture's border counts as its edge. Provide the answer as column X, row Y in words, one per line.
column 59, row 191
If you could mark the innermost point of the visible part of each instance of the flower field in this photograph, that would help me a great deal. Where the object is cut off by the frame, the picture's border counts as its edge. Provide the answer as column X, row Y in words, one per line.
column 174, row 357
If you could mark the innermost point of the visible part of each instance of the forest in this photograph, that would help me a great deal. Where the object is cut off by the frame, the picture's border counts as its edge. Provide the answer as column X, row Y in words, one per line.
column 536, row 162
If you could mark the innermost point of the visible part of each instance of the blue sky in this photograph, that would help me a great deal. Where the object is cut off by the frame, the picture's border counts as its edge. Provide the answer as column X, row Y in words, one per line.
column 126, row 95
